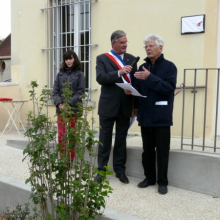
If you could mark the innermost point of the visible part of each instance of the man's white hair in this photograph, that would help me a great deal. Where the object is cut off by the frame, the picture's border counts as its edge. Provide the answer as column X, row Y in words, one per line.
column 157, row 38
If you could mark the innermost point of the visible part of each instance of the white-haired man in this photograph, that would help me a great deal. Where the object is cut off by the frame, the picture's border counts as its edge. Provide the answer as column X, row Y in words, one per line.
column 156, row 79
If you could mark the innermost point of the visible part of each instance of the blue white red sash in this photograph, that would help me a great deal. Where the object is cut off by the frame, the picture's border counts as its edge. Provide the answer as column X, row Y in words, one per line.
column 119, row 62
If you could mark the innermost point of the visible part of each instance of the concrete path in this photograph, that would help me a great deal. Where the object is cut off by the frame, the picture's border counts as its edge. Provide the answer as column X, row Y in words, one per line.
column 128, row 201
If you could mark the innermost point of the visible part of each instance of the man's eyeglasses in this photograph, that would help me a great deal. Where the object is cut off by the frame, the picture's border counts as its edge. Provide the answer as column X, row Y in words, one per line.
column 150, row 46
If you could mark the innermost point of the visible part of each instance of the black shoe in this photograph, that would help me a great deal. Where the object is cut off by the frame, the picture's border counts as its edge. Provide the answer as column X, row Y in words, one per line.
column 162, row 190
column 145, row 183
column 122, row 177
column 98, row 178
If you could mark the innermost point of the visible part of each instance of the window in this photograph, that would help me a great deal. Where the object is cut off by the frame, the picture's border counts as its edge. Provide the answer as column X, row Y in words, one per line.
column 3, row 66
column 67, row 26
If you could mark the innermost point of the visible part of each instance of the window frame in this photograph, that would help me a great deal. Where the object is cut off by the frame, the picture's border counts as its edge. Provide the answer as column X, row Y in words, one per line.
column 53, row 42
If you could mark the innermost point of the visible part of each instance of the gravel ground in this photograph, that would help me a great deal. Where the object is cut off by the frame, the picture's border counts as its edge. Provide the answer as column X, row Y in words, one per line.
column 127, row 198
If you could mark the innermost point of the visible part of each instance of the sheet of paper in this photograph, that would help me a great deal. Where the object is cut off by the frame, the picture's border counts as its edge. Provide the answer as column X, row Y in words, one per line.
column 131, row 88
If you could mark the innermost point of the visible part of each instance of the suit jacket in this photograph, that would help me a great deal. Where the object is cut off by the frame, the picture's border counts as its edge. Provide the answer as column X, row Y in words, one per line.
column 112, row 96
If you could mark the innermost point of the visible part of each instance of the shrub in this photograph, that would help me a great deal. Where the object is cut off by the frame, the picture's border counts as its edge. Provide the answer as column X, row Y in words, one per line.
column 63, row 189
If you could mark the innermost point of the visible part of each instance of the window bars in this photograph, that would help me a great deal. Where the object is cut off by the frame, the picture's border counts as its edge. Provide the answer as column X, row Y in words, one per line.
column 67, row 26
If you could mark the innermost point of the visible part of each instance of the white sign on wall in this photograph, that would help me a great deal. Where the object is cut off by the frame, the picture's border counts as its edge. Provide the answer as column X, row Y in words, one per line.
column 193, row 24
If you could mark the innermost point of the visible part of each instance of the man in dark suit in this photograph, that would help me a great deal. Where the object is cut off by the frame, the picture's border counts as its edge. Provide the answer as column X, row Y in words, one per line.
column 114, row 105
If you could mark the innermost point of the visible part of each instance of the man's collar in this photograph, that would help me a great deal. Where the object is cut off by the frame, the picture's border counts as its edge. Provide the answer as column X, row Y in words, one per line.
column 157, row 60
column 117, row 55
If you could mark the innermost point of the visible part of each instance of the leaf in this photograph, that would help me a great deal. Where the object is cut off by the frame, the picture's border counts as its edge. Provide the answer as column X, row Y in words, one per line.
column 107, row 182
column 105, row 187
column 102, row 173
column 104, row 193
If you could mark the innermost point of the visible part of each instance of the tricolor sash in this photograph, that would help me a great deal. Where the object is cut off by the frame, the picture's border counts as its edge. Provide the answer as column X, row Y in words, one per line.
column 120, row 64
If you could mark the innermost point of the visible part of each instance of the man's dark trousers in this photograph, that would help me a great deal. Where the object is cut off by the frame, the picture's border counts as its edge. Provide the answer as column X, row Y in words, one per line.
column 105, row 137
column 156, row 142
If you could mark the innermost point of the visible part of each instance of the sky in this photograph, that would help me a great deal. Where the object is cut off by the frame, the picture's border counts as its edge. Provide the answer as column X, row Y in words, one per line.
column 5, row 18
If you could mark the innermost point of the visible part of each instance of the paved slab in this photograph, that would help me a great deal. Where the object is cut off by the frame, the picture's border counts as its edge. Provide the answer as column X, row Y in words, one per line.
column 128, row 201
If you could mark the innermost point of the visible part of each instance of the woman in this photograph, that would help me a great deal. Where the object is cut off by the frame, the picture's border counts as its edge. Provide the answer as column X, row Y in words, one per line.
column 70, row 72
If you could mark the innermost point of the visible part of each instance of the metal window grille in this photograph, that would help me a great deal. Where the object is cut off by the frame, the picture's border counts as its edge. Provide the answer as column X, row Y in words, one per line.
column 67, row 26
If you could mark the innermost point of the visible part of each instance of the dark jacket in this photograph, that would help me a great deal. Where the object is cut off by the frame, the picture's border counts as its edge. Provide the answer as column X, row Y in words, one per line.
column 77, row 86
column 159, row 86
column 112, row 96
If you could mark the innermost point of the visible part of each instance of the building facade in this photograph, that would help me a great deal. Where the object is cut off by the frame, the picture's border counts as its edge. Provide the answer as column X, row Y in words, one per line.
column 42, row 30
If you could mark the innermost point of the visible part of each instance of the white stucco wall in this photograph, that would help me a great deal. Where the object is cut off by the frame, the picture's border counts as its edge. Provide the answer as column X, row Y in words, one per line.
column 137, row 18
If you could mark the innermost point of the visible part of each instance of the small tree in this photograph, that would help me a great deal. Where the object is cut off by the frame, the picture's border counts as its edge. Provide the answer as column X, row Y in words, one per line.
column 62, row 188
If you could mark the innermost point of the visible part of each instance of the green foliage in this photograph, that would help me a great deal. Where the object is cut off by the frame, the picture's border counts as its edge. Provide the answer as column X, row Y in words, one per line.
column 63, row 189
column 21, row 213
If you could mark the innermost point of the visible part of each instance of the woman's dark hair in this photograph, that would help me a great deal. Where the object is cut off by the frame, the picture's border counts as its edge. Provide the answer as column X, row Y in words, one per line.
column 76, row 64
